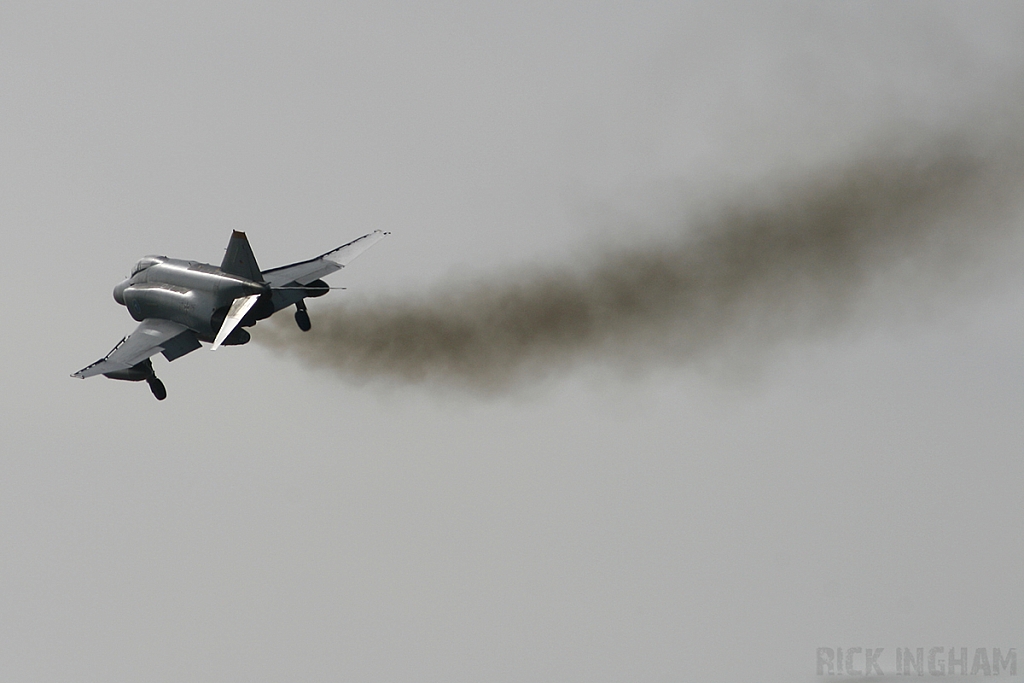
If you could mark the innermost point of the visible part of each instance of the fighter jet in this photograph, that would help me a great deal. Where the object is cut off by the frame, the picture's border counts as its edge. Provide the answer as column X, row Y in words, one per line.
column 180, row 304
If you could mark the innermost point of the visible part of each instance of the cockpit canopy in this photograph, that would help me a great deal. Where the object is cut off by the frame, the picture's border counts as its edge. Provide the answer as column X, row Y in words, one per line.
column 146, row 262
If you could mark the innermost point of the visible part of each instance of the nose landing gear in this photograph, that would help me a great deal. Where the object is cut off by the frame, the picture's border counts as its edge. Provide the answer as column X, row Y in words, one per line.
column 302, row 317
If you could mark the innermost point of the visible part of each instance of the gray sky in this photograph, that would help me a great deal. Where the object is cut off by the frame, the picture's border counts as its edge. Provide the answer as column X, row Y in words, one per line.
column 714, row 519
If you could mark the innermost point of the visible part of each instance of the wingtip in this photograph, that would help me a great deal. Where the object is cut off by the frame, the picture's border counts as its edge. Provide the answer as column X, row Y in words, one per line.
column 81, row 373
column 237, row 233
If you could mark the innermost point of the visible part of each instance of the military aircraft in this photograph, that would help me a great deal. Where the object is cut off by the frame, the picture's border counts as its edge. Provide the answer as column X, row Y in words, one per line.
column 181, row 303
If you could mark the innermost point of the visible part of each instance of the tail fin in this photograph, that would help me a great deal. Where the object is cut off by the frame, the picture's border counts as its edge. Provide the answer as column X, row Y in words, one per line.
column 239, row 259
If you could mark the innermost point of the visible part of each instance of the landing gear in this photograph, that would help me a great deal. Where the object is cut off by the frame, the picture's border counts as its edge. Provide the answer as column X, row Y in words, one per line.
column 302, row 317
column 139, row 372
column 157, row 387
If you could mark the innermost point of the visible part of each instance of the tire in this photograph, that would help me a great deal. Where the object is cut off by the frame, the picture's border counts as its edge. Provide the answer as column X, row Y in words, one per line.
column 157, row 388
column 302, row 320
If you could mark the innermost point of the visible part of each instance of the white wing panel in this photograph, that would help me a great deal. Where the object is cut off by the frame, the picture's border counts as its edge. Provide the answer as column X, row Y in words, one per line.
column 239, row 307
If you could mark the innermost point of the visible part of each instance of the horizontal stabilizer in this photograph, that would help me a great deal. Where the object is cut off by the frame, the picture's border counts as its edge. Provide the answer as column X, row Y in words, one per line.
column 239, row 307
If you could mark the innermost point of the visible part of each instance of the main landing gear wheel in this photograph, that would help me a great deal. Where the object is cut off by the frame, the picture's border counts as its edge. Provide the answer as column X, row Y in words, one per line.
column 302, row 318
column 157, row 387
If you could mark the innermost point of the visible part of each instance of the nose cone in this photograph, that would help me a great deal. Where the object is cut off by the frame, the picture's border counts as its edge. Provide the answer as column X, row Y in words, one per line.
column 119, row 292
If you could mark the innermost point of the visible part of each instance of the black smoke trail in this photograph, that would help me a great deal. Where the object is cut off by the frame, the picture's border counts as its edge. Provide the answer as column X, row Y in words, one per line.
column 756, row 272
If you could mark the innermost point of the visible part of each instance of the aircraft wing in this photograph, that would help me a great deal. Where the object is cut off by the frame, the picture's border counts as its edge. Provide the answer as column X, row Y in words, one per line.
column 304, row 272
column 152, row 336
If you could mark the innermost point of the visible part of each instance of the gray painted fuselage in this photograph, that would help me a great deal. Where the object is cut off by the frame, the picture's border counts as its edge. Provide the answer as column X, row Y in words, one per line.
column 187, row 292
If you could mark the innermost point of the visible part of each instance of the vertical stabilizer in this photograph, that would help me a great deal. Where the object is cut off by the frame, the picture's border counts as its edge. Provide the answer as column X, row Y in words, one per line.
column 239, row 259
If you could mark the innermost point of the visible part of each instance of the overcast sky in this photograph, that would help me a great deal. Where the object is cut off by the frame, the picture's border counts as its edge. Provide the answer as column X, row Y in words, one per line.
column 613, row 519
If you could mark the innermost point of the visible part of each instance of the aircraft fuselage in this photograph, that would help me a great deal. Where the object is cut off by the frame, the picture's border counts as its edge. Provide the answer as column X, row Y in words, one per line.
column 193, row 294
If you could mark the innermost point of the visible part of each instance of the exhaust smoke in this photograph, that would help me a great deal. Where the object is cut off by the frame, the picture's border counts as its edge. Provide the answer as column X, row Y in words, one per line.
column 742, row 276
